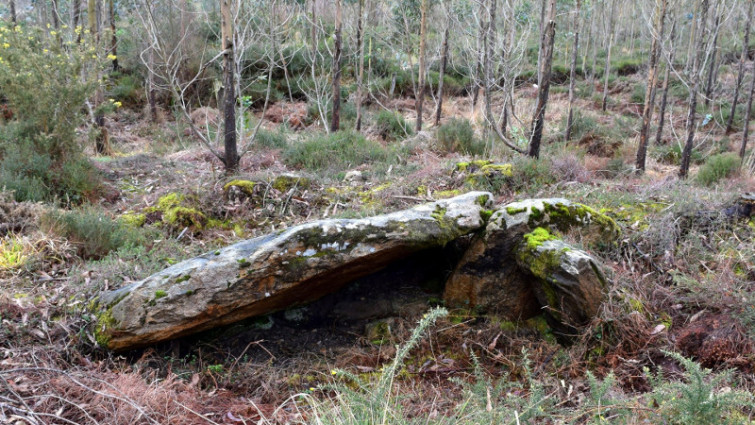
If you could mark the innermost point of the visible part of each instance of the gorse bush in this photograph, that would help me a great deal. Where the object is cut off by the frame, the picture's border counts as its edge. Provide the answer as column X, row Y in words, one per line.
column 391, row 125
column 339, row 150
column 46, row 85
column 457, row 135
column 718, row 167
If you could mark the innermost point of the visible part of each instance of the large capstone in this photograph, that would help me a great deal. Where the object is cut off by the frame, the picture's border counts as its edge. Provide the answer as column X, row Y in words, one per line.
column 277, row 271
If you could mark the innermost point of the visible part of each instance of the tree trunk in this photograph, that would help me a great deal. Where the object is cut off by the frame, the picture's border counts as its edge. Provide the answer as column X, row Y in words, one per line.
column 231, row 155
column 113, row 36
column 360, row 55
column 442, row 73
column 740, row 73
column 77, row 19
column 335, row 123
column 151, row 87
column 488, row 63
column 480, row 53
column 607, row 70
column 746, row 132
column 712, row 65
column 573, row 72
column 541, row 28
column 543, row 88
column 55, row 17
column 13, row 17
column 666, row 77
column 694, row 87
column 587, row 49
column 100, row 146
column 692, row 31
column 420, row 95
column 647, row 110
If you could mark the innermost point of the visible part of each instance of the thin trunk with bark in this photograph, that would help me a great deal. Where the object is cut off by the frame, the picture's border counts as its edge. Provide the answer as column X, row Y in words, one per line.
column 647, row 110
column 420, row 95
column 694, row 88
column 542, row 98
column 113, row 36
column 360, row 55
column 607, row 69
column 664, row 97
column 746, row 132
column 442, row 74
column 335, row 123
column 480, row 53
column 231, row 155
column 13, row 17
column 741, row 71
column 573, row 72
column 712, row 65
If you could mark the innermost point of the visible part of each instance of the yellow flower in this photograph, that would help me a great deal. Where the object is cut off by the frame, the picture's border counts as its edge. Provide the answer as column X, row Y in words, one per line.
column 77, row 30
column 118, row 104
column 333, row 372
column 53, row 32
column 65, row 27
column 45, row 50
column 6, row 45
column 112, row 57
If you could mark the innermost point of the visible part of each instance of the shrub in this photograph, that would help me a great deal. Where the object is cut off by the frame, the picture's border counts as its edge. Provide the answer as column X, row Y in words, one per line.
column 92, row 232
column 530, row 174
column 348, row 111
column 582, row 124
column 718, row 167
column 672, row 154
column 391, row 125
column 457, row 135
column 638, row 94
column 46, row 84
column 126, row 89
column 339, row 150
column 271, row 139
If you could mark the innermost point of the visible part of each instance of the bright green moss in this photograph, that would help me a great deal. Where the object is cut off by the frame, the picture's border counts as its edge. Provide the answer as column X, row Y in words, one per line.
column 470, row 165
column 160, row 294
column 245, row 186
column 184, row 217
column 515, row 211
column 536, row 238
column 443, row 194
column 503, row 169
column 133, row 219
column 285, row 182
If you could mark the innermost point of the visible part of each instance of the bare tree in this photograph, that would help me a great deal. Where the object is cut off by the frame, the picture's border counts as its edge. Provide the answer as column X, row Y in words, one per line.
column 442, row 74
column 666, row 78
column 573, row 71
column 13, row 17
column 335, row 122
column 542, row 98
column 694, row 88
column 360, row 54
column 748, row 112
column 652, row 80
column 712, row 63
column 113, row 35
column 420, row 92
column 607, row 70
column 231, row 155
column 741, row 71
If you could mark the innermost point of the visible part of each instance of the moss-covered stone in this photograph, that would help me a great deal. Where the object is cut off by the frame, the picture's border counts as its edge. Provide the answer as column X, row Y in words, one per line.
column 471, row 165
column 505, row 170
column 286, row 182
column 536, row 238
column 245, row 186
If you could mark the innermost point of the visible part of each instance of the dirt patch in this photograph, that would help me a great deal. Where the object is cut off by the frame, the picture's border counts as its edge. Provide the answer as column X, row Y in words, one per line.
column 17, row 217
column 598, row 146
column 295, row 114
column 716, row 341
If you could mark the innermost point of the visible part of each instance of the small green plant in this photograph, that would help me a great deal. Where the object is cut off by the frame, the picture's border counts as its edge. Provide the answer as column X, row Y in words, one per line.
column 15, row 252
column 340, row 150
column 638, row 94
column 391, row 125
column 718, row 167
column 699, row 398
column 457, row 135
column 582, row 125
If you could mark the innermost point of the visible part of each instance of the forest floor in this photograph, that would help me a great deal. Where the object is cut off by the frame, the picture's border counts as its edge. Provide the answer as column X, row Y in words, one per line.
column 682, row 281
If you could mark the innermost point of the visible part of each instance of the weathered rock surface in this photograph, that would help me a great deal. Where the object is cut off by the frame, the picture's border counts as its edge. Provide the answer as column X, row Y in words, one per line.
column 569, row 282
column 276, row 271
column 490, row 276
